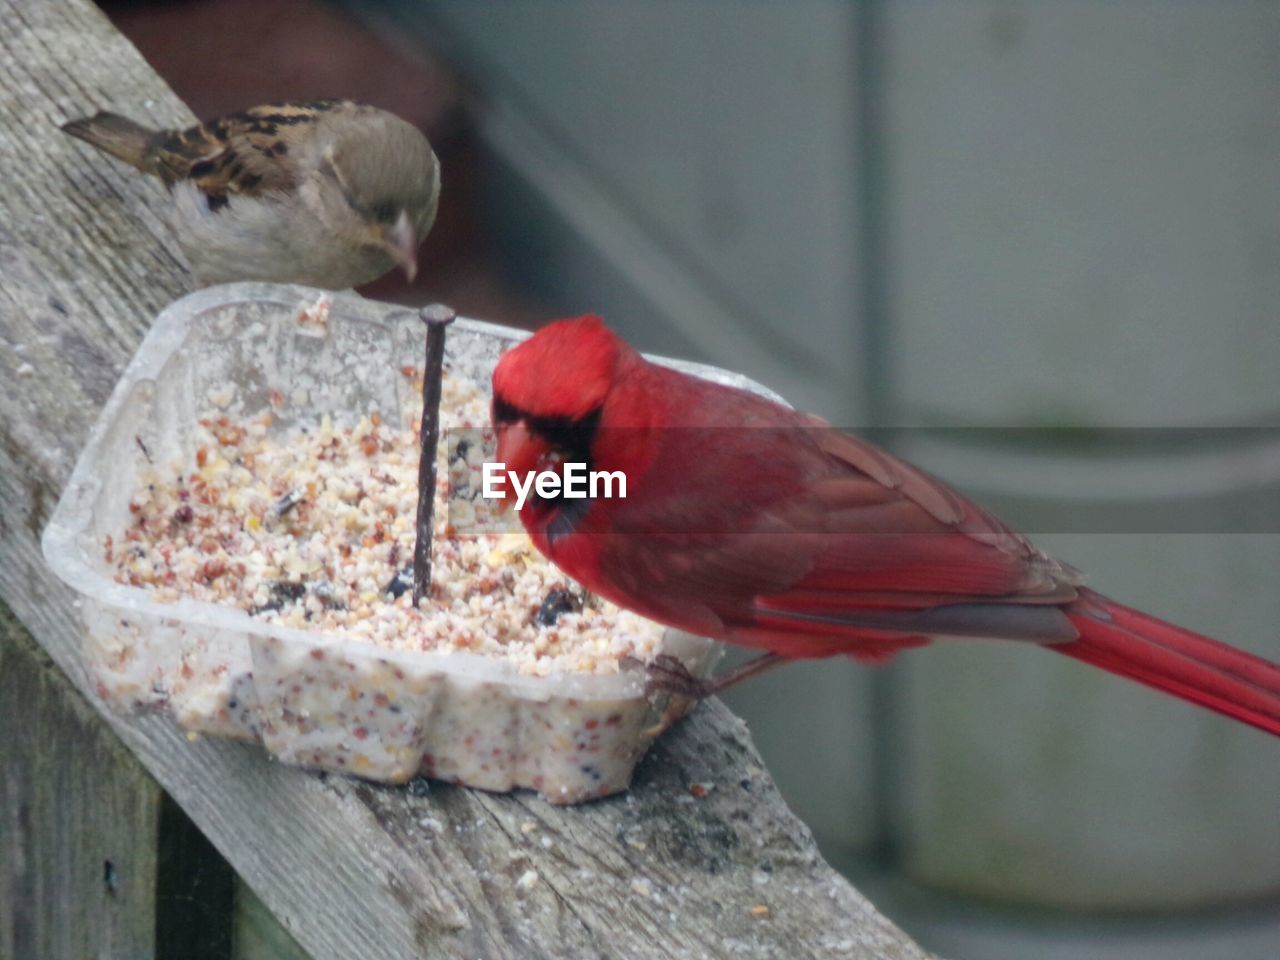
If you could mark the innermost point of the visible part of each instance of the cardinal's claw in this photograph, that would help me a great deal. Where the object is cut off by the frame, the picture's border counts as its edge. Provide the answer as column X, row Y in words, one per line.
column 676, row 708
column 668, row 674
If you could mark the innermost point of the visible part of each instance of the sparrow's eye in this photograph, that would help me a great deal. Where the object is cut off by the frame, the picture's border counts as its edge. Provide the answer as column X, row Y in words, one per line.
column 385, row 212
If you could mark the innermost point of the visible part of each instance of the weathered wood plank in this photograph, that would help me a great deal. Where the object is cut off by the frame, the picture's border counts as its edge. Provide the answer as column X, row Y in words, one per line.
column 94, row 859
column 350, row 868
column 78, row 819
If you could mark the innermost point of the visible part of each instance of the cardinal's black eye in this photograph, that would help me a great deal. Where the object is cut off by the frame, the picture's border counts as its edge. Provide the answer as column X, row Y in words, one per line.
column 504, row 412
column 573, row 438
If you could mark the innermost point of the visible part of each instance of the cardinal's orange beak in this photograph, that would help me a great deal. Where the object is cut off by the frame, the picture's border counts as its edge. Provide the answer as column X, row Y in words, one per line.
column 513, row 438
column 521, row 453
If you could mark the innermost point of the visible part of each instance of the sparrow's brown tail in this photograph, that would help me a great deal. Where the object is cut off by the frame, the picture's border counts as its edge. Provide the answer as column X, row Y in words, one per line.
column 1188, row 665
column 116, row 135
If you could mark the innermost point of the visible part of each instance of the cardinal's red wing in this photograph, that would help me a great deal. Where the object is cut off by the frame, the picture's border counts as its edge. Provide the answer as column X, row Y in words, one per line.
column 845, row 537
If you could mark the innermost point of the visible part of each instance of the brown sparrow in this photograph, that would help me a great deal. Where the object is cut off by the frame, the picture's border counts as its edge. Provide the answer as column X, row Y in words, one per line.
column 327, row 193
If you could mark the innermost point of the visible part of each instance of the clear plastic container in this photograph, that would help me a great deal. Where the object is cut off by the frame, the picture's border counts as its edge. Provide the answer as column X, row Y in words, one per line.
column 316, row 699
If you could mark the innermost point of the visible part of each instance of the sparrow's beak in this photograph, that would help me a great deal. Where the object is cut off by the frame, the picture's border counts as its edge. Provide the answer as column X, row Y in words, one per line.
column 401, row 241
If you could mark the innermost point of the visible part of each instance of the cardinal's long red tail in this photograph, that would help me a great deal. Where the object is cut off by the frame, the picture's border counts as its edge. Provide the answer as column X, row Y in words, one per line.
column 1177, row 661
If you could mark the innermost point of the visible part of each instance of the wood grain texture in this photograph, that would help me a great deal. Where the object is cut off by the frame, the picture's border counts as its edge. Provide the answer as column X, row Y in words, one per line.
column 349, row 867
column 78, row 819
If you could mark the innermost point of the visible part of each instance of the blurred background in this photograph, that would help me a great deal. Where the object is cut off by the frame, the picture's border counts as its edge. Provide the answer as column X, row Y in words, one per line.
column 963, row 213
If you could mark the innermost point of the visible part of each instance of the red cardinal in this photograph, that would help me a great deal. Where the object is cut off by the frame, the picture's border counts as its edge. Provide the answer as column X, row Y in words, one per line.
column 792, row 537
